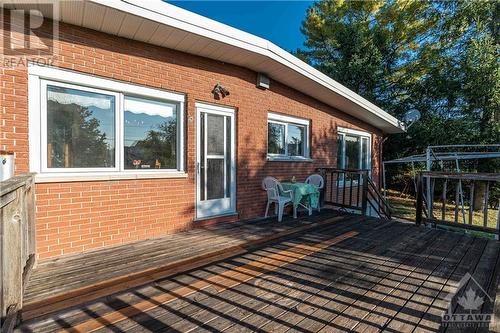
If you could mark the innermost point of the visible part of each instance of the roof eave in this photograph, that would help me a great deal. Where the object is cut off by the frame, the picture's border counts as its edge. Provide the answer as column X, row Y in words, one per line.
column 192, row 33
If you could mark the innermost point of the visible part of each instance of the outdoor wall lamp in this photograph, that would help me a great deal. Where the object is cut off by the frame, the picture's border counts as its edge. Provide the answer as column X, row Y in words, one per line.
column 219, row 91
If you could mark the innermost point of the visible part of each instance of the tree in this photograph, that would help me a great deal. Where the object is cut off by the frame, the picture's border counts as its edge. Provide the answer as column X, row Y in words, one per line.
column 75, row 138
column 275, row 142
column 372, row 47
column 159, row 146
column 438, row 57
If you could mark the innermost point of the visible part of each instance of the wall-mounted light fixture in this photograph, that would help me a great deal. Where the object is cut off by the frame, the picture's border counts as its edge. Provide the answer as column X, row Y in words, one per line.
column 263, row 81
column 219, row 91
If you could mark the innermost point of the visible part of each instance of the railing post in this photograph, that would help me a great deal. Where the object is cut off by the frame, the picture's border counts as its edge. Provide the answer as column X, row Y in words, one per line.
column 443, row 198
column 498, row 222
column 420, row 199
column 364, row 198
column 323, row 191
column 486, row 199
column 471, row 201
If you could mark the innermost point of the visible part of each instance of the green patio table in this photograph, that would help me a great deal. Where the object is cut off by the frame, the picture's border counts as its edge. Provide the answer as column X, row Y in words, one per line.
column 303, row 194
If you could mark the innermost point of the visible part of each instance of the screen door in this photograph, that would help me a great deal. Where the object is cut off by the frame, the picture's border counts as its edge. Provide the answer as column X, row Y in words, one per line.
column 215, row 167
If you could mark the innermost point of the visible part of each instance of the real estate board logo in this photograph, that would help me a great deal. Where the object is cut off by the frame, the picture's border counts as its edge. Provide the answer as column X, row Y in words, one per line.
column 31, row 32
column 469, row 305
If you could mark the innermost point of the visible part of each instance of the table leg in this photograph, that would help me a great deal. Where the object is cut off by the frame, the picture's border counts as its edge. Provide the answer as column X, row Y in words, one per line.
column 295, row 211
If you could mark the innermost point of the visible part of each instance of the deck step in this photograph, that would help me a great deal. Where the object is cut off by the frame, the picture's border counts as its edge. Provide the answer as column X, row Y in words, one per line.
column 49, row 304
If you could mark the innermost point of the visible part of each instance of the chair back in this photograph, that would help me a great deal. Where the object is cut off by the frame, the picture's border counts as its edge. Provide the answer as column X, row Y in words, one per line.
column 271, row 186
column 316, row 180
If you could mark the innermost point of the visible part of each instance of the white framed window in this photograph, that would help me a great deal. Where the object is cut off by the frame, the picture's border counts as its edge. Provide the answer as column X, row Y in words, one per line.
column 354, row 149
column 287, row 137
column 86, row 126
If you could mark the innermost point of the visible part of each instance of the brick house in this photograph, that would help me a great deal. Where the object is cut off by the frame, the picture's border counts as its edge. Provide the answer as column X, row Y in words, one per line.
column 152, row 119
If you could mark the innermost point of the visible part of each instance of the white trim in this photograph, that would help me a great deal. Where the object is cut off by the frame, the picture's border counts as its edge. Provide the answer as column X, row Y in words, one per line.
column 34, row 121
column 177, row 18
column 76, row 177
column 220, row 109
column 342, row 131
column 288, row 119
column 285, row 121
column 43, row 127
column 353, row 131
column 223, row 111
column 204, row 155
column 41, row 76
column 282, row 158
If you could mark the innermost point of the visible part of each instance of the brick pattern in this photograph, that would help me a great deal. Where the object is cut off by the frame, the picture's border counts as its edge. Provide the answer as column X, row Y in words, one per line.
column 14, row 115
column 80, row 216
column 75, row 217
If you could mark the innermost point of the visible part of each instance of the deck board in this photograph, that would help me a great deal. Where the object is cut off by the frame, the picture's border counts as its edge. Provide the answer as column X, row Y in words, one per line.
column 428, row 321
column 356, row 294
column 62, row 274
column 385, row 276
column 350, row 289
column 320, row 295
column 303, row 274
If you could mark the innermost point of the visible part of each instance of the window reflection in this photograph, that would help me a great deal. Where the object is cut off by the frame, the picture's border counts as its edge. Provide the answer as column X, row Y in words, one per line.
column 276, row 138
column 150, row 134
column 295, row 140
column 80, row 129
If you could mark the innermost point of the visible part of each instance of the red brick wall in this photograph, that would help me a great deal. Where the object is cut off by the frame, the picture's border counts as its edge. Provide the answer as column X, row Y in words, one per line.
column 75, row 217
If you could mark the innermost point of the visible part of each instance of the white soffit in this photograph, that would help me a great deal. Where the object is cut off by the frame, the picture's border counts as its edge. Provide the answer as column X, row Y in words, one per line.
column 159, row 23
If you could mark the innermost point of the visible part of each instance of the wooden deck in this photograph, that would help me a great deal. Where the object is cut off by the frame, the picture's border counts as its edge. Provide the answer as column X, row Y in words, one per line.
column 321, row 274
column 68, row 281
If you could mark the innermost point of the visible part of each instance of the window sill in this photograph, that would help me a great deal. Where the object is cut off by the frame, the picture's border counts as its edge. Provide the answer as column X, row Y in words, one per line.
column 289, row 159
column 82, row 177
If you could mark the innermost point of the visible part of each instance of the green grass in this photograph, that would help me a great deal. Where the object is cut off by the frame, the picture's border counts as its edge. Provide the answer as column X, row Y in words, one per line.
column 404, row 207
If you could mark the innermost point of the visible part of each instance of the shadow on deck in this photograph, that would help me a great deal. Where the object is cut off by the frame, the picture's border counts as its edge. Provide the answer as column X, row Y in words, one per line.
column 325, row 273
column 66, row 281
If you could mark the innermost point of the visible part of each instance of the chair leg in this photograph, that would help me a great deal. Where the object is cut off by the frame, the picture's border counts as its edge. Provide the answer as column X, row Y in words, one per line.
column 280, row 211
column 276, row 208
column 310, row 210
column 267, row 208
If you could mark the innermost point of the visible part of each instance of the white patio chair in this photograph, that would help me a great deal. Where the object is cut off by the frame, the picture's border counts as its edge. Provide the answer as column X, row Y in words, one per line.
column 316, row 180
column 276, row 195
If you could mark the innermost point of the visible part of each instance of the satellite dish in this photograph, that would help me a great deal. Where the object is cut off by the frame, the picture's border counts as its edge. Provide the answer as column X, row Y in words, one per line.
column 411, row 117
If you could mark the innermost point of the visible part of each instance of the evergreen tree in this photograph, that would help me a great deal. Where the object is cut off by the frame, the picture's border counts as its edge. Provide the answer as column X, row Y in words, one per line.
column 440, row 58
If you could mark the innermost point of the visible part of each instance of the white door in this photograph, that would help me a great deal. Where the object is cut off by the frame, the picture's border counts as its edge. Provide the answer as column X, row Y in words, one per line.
column 215, row 161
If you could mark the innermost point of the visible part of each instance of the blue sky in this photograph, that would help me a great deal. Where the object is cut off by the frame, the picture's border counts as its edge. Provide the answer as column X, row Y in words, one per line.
column 277, row 21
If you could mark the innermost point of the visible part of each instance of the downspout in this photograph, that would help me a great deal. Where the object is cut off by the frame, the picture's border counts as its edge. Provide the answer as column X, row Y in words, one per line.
column 381, row 163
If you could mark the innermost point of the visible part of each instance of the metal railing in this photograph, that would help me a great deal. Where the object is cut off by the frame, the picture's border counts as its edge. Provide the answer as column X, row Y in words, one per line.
column 17, row 245
column 353, row 189
column 463, row 200
column 377, row 202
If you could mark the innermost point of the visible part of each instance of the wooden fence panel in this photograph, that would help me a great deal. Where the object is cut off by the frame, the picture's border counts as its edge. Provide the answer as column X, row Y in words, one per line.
column 17, row 245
